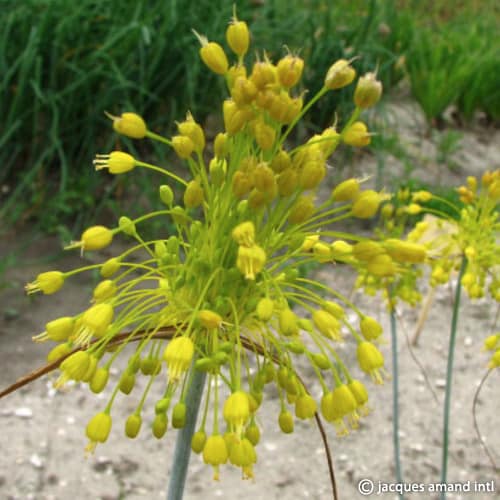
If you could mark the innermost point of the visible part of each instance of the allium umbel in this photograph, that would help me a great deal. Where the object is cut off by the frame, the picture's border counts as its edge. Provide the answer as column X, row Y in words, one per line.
column 219, row 294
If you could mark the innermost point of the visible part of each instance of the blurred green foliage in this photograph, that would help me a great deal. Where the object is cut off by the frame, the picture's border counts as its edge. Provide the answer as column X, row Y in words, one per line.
column 64, row 63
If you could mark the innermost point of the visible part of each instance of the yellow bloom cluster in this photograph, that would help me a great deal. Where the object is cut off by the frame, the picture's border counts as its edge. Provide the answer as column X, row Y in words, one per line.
column 470, row 233
column 223, row 289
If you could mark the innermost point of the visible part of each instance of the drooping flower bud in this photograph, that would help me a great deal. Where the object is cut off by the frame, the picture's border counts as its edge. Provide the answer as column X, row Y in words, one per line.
column 130, row 125
column 178, row 354
column 213, row 55
column 48, row 283
column 340, row 74
column 98, row 430
column 289, row 70
column 368, row 91
column 193, row 195
column 117, row 162
column 356, row 135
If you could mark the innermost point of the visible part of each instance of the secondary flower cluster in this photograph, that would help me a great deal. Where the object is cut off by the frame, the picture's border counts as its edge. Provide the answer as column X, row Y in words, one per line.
column 220, row 295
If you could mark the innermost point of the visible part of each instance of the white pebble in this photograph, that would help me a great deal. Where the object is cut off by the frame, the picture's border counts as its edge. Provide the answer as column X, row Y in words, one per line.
column 36, row 461
column 23, row 412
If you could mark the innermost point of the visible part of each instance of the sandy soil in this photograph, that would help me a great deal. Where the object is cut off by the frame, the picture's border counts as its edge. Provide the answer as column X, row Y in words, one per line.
column 42, row 438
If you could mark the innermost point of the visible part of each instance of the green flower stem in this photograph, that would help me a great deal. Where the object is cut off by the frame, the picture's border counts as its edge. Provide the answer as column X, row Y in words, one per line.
column 183, row 442
column 395, row 399
column 449, row 376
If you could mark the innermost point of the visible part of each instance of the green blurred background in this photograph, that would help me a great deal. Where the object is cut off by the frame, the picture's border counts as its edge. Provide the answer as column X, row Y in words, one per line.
column 63, row 63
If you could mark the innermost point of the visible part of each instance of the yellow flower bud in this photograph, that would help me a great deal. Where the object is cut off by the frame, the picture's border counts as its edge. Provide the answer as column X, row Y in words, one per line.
column 405, row 251
column 289, row 70
column 244, row 234
column 322, row 252
column 381, row 265
column 166, row 195
column 104, row 291
column 193, row 130
column 265, row 135
column 340, row 74
column 341, row 249
column 130, row 125
column 264, row 178
column 95, row 238
column 98, row 430
column 48, row 283
column 311, row 174
column 334, row 309
column 193, row 195
column 285, row 421
column 367, row 250
column 126, row 226
column 99, row 380
column 281, row 161
column 210, row 319
column 94, row 323
column 287, row 182
column 368, row 91
column 370, row 328
column 183, row 146
column 366, row 204
column 250, row 260
column 309, row 242
column 75, row 366
column 302, row 210
column 327, row 324
column 241, row 184
column 57, row 330
column 215, row 453
column 58, row 352
column 133, row 425
column 110, row 267
column 221, row 145
column 235, row 118
column 179, row 415
column 347, row 190
column 305, row 406
column 160, row 424
column 356, row 135
column 237, row 411
column 243, row 91
column 265, row 309
column 198, row 441
column 491, row 342
column 370, row 360
column 252, row 433
column 421, row 196
column 360, row 393
column 495, row 360
column 178, row 354
column 321, row 361
column 413, row 209
column 238, row 37
column 213, row 55
column 116, row 162
column 264, row 74
column 288, row 323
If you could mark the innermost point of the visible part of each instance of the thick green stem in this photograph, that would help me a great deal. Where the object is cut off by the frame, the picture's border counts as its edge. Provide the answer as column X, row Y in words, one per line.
column 183, row 443
column 395, row 400
column 449, row 376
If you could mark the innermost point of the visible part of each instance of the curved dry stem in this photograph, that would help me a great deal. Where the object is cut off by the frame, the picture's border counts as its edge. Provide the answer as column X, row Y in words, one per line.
column 476, row 425
column 167, row 333
column 409, row 345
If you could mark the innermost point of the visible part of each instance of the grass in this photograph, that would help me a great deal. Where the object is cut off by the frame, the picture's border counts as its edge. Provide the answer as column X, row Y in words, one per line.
column 64, row 63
